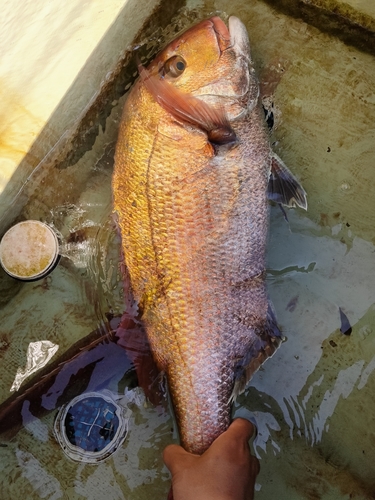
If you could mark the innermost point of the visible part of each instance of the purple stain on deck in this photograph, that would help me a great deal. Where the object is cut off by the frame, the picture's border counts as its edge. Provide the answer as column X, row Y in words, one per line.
column 292, row 304
column 345, row 327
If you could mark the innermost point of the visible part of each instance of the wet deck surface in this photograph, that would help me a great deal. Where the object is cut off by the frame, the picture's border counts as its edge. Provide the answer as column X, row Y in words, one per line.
column 314, row 399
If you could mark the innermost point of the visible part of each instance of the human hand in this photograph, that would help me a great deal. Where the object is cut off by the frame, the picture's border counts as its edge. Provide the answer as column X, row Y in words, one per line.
column 226, row 471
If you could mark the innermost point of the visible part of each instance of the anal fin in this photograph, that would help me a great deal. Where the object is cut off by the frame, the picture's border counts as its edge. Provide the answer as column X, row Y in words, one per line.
column 283, row 187
column 264, row 346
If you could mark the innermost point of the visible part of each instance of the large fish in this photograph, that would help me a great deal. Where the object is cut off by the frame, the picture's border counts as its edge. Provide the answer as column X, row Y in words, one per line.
column 193, row 171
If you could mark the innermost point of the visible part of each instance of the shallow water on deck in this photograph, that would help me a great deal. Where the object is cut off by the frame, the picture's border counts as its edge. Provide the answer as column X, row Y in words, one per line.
column 313, row 401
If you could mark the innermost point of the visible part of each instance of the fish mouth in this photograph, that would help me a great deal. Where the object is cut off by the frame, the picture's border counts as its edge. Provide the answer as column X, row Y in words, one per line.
column 233, row 37
column 222, row 33
column 239, row 37
column 242, row 81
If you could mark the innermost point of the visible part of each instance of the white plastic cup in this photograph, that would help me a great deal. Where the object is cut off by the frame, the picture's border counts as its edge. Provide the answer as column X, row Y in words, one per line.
column 29, row 250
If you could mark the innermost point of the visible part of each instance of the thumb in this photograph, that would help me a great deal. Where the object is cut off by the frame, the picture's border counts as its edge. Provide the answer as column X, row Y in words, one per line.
column 176, row 458
column 241, row 428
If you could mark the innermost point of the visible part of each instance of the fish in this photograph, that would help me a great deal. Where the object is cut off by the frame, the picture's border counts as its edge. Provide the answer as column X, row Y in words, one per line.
column 193, row 176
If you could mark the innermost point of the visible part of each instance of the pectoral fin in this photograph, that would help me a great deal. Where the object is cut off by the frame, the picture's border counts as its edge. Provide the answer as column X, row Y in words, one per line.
column 283, row 187
column 263, row 347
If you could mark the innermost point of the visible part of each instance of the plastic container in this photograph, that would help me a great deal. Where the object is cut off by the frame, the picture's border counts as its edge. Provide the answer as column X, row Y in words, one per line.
column 29, row 250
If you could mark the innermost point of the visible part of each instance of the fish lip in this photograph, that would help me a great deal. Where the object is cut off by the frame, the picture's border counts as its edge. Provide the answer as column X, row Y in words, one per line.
column 222, row 33
column 239, row 37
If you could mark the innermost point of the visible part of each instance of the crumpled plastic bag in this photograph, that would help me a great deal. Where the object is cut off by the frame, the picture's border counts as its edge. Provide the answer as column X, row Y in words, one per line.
column 38, row 355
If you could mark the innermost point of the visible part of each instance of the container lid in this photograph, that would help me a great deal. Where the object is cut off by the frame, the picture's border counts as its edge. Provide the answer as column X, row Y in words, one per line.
column 29, row 250
column 91, row 427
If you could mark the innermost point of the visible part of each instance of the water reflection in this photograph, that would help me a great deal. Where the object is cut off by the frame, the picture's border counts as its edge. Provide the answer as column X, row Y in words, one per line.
column 318, row 405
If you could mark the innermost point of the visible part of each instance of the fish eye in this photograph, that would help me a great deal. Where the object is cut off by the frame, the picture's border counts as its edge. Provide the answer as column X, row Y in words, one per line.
column 174, row 66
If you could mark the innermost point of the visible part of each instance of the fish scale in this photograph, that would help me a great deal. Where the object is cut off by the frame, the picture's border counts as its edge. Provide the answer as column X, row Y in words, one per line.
column 193, row 216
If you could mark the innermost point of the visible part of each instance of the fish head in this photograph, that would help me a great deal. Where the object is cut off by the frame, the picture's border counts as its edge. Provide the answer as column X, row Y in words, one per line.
column 206, row 68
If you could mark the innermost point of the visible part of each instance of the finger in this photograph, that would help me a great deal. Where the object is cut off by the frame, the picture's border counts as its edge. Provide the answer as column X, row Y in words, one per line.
column 255, row 465
column 241, row 429
column 175, row 457
column 234, row 442
column 170, row 494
